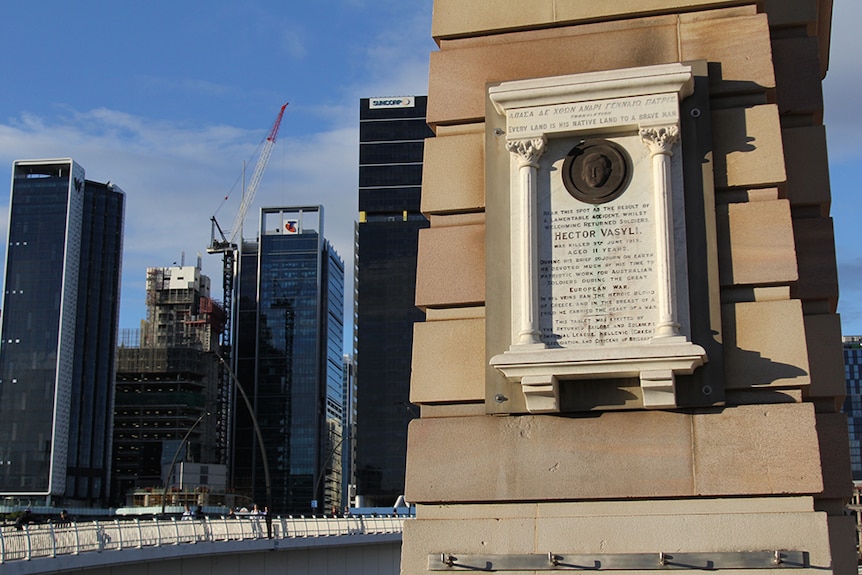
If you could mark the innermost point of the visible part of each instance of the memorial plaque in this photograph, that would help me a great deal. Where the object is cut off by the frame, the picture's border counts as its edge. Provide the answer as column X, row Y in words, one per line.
column 598, row 248
column 597, row 261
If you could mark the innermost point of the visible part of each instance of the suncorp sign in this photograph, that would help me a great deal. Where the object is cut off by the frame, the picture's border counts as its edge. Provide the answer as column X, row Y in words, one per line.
column 393, row 102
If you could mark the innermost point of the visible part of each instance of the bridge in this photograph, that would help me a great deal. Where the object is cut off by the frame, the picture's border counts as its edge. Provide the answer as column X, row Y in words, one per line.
column 222, row 546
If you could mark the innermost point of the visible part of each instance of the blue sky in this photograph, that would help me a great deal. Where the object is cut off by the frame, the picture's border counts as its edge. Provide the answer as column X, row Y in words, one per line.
column 167, row 99
column 841, row 90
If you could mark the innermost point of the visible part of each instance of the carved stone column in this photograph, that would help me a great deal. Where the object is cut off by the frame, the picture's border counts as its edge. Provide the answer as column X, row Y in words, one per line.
column 660, row 141
column 527, row 152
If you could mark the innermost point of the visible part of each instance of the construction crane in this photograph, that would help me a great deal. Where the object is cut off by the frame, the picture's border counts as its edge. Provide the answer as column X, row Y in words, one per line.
column 227, row 243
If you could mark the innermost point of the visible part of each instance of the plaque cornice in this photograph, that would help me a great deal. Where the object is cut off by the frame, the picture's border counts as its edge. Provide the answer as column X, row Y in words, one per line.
column 661, row 79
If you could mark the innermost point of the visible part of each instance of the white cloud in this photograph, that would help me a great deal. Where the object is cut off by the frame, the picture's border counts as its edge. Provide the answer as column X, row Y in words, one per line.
column 398, row 56
column 175, row 178
column 293, row 41
column 186, row 85
column 843, row 84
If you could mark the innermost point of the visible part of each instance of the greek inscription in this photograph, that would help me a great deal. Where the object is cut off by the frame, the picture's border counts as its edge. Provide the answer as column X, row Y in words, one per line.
column 590, row 115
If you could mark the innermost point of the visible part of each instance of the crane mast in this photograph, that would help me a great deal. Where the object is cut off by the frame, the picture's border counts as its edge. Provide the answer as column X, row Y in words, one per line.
column 228, row 246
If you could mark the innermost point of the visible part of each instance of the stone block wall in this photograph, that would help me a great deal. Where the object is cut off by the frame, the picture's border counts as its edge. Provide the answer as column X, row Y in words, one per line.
column 765, row 468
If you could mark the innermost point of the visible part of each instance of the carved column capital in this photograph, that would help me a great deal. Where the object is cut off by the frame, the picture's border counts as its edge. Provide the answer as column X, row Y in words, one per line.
column 660, row 140
column 528, row 151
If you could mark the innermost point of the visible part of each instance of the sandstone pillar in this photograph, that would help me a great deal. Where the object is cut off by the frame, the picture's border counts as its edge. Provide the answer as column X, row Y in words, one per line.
column 631, row 358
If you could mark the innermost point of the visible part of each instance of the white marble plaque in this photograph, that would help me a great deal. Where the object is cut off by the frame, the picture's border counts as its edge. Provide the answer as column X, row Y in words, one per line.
column 598, row 252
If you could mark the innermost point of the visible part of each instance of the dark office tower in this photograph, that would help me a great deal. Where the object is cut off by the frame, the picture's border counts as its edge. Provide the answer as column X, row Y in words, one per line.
column 392, row 134
column 58, row 334
column 289, row 340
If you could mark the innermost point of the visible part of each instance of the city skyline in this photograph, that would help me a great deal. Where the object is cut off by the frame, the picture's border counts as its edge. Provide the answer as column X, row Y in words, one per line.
column 181, row 103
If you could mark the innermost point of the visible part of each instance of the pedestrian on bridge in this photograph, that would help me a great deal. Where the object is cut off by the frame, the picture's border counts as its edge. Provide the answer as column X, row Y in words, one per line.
column 64, row 520
column 24, row 519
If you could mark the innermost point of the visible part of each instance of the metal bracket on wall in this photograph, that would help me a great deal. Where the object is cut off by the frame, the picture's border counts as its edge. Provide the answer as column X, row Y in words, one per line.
column 622, row 561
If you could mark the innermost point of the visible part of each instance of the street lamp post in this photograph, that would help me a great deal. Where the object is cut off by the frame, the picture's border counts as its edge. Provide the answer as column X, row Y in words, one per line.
column 176, row 456
column 323, row 469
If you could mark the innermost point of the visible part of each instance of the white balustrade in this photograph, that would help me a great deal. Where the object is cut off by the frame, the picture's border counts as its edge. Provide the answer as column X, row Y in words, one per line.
column 47, row 540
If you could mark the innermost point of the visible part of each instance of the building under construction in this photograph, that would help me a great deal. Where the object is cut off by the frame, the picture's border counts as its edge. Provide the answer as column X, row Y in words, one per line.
column 170, row 405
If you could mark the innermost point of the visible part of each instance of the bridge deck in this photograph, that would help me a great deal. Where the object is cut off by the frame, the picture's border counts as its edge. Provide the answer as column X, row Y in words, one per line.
column 51, row 548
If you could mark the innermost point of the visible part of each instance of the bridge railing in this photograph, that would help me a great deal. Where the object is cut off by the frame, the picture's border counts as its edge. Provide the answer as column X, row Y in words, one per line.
column 46, row 540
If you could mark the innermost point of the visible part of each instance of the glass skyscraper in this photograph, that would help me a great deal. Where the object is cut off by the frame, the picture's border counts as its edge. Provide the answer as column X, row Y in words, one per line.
column 58, row 332
column 348, row 444
column 392, row 134
column 289, row 339
column 853, row 400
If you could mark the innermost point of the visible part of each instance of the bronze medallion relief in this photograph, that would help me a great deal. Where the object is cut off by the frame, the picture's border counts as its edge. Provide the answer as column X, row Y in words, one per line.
column 596, row 171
